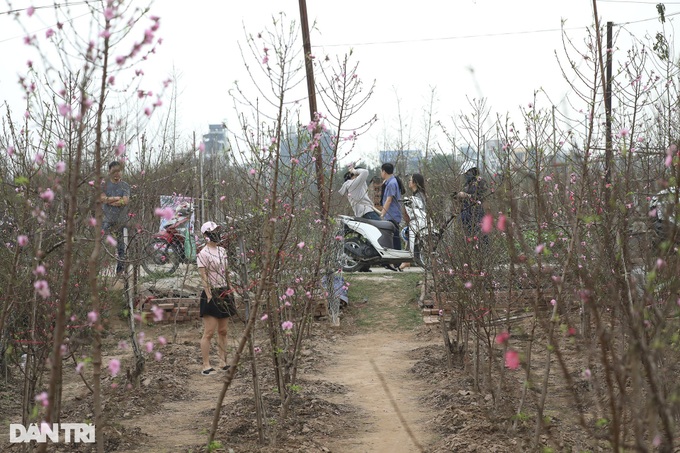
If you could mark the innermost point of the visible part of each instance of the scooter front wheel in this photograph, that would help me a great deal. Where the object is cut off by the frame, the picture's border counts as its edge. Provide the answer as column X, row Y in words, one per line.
column 161, row 259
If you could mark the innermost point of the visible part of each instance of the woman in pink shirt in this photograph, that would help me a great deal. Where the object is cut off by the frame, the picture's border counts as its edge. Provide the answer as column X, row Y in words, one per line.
column 217, row 302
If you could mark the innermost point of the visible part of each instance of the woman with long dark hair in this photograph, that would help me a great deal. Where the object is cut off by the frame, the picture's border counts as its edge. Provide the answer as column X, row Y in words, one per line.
column 416, row 183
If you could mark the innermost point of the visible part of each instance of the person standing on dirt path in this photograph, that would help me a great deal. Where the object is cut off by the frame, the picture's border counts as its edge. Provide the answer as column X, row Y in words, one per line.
column 417, row 185
column 392, row 191
column 115, row 201
column 217, row 302
column 471, row 197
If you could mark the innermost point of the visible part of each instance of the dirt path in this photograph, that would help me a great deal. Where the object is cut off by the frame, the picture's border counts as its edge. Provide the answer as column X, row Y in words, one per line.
column 375, row 369
column 182, row 423
column 373, row 366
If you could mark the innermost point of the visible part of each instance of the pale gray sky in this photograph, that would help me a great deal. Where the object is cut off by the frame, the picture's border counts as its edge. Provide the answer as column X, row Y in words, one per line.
column 407, row 47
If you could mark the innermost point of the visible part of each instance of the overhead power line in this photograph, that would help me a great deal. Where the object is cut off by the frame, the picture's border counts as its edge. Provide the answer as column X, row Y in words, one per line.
column 450, row 38
column 55, row 5
column 640, row 2
column 487, row 35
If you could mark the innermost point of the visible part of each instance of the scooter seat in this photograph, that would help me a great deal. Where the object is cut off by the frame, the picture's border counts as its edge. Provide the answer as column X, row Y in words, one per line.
column 379, row 224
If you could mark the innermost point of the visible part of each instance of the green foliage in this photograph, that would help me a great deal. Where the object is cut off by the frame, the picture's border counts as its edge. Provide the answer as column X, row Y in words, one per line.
column 214, row 446
column 295, row 388
column 601, row 422
column 522, row 417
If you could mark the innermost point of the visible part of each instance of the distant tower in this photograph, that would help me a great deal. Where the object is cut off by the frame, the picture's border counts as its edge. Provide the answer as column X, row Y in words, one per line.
column 213, row 162
column 216, row 143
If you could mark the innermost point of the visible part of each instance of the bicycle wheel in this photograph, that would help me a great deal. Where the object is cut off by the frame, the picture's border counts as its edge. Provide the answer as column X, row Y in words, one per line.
column 160, row 258
column 421, row 253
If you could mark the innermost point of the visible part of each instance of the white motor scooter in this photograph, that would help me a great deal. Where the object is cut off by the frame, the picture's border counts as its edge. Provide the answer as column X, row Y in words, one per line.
column 664, row 214
column 369, row 242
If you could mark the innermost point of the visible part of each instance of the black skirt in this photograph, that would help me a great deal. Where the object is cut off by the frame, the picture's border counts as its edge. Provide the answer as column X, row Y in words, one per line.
column 220, row 306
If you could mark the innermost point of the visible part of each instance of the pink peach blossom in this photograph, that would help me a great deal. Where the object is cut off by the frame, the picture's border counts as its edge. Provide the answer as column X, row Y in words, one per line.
column 512, row 359
column 42, row 288
column 47, row 195
column 114, row 367
column 158, row 313
column 166, row 213
column 501, row 222
column 487, row 224
column 502, row 337
column 42, row 398
column 92, row 317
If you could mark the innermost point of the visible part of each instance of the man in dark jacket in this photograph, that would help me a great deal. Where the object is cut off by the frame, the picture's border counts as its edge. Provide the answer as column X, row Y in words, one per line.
column 471, row 197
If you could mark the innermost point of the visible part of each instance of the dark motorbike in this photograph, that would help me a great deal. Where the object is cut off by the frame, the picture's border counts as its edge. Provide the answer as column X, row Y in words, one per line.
column 166, row 250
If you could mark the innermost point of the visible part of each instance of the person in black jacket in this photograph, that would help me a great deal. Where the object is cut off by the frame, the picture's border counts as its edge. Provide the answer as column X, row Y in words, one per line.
column 471, row 197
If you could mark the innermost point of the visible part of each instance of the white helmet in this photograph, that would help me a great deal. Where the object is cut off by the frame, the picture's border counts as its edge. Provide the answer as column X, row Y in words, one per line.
column 663, row 203
column 207, row 227
column 467, row 166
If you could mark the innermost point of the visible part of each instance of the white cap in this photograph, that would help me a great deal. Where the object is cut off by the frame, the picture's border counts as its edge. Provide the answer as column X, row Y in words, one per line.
column 208, row 226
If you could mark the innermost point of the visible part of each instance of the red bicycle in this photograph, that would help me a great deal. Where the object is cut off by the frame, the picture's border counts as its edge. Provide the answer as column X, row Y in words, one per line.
column 166, row 250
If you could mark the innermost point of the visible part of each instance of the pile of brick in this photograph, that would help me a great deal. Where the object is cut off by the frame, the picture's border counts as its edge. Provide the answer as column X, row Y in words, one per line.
column 431, row 306
column 176, row 309
column 518, row 301
column 320, row 308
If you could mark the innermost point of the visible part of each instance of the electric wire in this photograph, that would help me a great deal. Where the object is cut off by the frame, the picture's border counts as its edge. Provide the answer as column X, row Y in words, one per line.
column 487, row 35
column 53, row 6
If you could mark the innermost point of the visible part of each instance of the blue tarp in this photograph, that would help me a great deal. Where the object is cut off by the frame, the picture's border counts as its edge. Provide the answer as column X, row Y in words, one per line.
column 339, row 288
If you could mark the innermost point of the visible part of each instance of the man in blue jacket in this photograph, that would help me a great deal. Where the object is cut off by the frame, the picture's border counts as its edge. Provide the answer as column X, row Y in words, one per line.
column 391, row 200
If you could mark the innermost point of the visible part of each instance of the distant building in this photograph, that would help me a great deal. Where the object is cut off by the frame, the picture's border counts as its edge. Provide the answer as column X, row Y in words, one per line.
column 216, row 143
column 519, row 156
column 294, row 145
column 493, row 151
column 405, row 161
column 488, row 160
